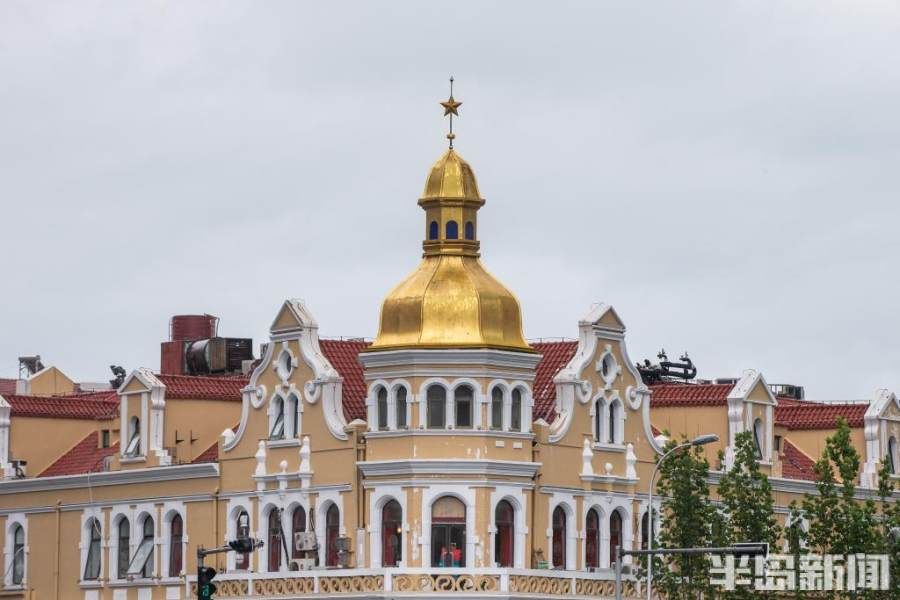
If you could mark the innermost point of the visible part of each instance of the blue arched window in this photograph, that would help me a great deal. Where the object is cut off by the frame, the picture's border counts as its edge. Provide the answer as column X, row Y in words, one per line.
column 452, row 230
column 433, row 231
column 470, row 230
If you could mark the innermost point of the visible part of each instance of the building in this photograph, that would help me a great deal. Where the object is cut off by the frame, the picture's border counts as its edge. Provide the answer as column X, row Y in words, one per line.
column 447, row 455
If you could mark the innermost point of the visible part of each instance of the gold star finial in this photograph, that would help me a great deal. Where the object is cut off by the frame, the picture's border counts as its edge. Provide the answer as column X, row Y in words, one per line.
column 451, row 107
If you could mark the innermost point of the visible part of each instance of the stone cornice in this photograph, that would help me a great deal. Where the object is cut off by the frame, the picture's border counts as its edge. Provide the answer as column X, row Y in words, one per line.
column 412, row 358
column 105, row 478
column 441, row 466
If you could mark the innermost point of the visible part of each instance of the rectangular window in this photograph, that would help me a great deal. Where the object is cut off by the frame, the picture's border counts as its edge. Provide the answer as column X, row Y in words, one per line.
column 104, row 438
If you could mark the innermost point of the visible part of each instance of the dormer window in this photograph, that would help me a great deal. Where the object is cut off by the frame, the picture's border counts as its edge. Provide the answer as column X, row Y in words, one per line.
column 758, row 438
column 134, row 438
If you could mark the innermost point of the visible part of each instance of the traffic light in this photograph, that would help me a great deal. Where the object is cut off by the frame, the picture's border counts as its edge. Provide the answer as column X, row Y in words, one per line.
column 205, row 587
column 243, row 545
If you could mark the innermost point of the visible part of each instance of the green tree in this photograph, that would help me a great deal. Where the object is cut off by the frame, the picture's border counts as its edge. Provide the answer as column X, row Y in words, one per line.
column 748, row 505
column 840, row 524
column 689, row 520
column 890, row 520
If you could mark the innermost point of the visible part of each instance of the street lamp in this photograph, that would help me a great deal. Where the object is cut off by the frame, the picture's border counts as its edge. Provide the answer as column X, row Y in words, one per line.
column 700, row 440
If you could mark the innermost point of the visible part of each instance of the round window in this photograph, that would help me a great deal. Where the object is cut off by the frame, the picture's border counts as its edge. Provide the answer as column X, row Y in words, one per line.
column 285, row 364
column 608, row 368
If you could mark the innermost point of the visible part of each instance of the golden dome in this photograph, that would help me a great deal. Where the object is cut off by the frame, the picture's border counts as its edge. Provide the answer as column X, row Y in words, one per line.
column 451, row 177
column 450, row 300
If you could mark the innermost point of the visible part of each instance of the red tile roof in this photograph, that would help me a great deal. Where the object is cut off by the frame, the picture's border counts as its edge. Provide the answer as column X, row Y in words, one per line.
column 7, row 387
column 554, row 356
column 85, row 457
column 211, row 454
column 819, row 415
column 689, row 394
column 342, row 354
column 192, row 387
column 95, row 405
column 795, row 463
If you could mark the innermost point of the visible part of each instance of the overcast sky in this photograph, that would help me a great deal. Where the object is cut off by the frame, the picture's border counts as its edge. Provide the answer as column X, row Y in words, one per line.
column 725, row 174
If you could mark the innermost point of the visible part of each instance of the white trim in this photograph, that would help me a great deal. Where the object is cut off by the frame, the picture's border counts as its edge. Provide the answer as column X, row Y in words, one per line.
column 87, row 515
column 169, row 510
column 567, row 502
column 373, row 360
column 126, row 477
column 515, row 496
column 378, row 498
column 439, row 466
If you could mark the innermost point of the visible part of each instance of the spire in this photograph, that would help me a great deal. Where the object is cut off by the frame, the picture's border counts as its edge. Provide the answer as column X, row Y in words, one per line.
column 451, row 107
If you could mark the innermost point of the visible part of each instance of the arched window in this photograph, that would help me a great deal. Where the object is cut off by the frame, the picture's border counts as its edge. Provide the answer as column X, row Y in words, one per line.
column 433, row 230
column 134, row 438
column 293, row 415
column 143, row 557
column 274, row 540
column 515, row 417
column 892, row 454
column 18, row 556
column 615, row 410
column 615, row 535
column 176, row 546
column 463, row 397
column 277, row 430
column 92, row 564
column 452, row 230
column 381, row 408
column 470, row 230
column 448, row 532
column 592, row 539
column 332, row 532
column 298, row 525
column 559, row 538
column 645, row 530
column 437, row 406
column 401, row 408
column 598, row 419
column 391, row 534
column 758, row 438
column 124, row 549
column 504, row 538
column 242, row 529
column 497, row 408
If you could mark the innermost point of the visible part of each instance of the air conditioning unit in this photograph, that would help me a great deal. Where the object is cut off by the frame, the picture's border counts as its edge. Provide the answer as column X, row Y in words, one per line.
column 303, row 564
column 305, row 541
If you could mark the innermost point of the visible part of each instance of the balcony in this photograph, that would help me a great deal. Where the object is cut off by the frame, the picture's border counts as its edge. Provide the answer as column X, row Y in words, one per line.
column 424, row 583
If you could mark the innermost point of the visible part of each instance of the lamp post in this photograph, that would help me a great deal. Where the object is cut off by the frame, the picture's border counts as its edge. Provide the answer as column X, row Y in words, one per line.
column 700, row 440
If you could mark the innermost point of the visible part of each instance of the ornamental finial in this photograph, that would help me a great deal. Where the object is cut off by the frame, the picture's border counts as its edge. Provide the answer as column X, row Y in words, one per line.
column 451, row 107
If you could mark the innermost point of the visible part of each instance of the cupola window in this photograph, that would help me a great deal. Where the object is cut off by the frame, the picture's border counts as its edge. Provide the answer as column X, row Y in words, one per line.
column 433, row 230
column 437, row 406
column 470, row 230
column 464, row 399
column 452, row 230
